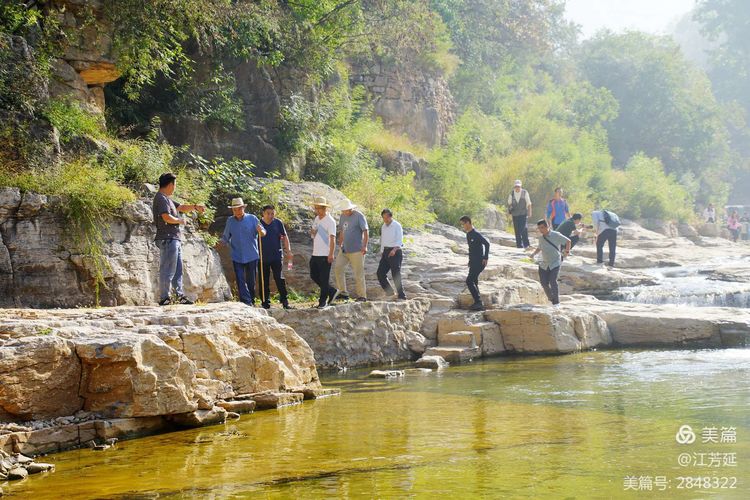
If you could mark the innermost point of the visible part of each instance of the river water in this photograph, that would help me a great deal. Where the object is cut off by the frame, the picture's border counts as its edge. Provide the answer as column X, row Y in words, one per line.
column 588, row 425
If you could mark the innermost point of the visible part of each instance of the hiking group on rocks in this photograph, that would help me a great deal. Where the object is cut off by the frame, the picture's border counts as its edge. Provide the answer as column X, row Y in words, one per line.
column 258, row 247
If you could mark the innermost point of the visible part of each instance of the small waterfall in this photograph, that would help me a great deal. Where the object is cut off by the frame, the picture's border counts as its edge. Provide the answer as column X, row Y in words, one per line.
column 696, row 291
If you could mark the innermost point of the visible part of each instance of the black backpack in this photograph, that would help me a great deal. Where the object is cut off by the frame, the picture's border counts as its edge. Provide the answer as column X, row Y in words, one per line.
column 611, row 219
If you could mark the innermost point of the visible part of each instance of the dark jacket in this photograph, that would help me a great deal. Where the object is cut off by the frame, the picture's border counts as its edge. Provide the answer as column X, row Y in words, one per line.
column 479, row 247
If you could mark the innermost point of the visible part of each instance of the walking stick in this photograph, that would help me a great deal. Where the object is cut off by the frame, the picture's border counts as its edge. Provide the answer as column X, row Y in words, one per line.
column 260, row 253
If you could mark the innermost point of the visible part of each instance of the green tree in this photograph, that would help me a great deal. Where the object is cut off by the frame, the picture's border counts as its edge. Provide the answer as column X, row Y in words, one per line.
column 666, row 107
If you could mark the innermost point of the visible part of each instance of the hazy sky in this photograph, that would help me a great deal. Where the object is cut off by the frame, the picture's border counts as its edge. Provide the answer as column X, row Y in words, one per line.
column 652, row 16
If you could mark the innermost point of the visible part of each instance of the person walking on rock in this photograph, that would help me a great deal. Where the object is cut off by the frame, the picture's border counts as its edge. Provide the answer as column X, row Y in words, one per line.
column 353, row 237
column 241, row 234
column 734, row 225
column 479, row 254
column 272, row 243
column 519, row 206
column 549, row 266
column 323, row 234
column 709, row 214
column 391, row 246
column 605, row 224
column 572, row 229
column 167, row 220
column 557, row 209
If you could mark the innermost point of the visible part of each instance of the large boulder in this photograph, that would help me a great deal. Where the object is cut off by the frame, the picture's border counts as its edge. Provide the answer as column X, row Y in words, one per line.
column 544, row 330
column 144, row 362
column 37, row 375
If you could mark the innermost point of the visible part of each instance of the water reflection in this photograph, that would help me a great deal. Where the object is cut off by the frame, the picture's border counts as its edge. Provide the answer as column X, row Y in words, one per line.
column 532, row 427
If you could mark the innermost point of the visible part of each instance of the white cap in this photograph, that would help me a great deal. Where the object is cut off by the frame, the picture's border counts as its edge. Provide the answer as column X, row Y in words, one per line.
column 517, row 183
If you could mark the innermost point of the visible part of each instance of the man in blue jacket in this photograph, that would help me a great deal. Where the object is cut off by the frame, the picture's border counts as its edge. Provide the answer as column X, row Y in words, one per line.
column 240, row 233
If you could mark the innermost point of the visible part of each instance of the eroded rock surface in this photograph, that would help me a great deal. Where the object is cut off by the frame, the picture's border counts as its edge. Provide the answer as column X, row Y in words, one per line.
column 143, row 362
column 41, row 265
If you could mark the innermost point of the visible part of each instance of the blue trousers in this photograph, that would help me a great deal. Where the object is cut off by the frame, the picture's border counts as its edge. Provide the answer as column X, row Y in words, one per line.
column 245, row 273
column 170, row 268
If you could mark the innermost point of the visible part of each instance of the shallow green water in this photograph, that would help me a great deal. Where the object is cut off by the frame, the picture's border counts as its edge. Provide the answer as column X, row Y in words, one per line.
column 548, row 427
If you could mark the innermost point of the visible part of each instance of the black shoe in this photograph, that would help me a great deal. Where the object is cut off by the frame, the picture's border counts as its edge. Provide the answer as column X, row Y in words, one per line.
column 476, row 306
column 266, row 305
column 322, row 306
column 184, row 300
column 165, row 302
column 401, row 297
column 287, row 306
column 343, row 296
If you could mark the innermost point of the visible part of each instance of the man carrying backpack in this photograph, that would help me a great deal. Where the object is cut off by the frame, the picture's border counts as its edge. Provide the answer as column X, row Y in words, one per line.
column 605, row 224
column 549, row 245
column 519, row 206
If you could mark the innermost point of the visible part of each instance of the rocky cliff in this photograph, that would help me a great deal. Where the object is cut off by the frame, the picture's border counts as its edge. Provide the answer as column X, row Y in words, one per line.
column 71, row 367
column 41, row 265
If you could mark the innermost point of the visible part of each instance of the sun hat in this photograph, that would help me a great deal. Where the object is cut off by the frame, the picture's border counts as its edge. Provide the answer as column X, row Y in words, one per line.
column 348, row 206
column 320, row 201
column 517, row 183
column 237, row 203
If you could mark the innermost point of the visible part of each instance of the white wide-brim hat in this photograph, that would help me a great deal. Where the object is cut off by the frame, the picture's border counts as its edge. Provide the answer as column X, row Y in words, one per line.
column 348, row 206
column 237, row 203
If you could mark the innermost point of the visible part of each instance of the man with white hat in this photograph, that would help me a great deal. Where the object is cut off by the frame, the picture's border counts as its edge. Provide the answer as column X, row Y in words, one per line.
column 519, row 206
column 323, row 234
column 353, row 238
column 240, row 233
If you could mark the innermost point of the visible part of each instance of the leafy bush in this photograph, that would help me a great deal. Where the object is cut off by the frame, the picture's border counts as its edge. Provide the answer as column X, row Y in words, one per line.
column 374, row 190
column 90, row 199
column 644, row 190
column 72, row 121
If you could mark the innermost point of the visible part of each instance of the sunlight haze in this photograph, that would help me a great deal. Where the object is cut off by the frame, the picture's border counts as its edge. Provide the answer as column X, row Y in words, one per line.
column 618, row 15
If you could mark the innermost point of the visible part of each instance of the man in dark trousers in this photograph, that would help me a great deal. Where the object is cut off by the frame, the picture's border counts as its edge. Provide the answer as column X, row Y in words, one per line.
column 273, row 242
column 549, row 265
column 391, row 246
column 605, row 223
column 479, row 253
column 519, row 206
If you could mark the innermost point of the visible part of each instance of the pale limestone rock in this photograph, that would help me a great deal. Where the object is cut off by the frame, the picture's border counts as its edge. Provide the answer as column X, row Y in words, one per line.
column 37, row 374
column 247, row 406
column 141, row 362
column 134, row 376
column 432, row 362
column 548, row 330
column 355, row 334
column 198, row 418
column 272, row 400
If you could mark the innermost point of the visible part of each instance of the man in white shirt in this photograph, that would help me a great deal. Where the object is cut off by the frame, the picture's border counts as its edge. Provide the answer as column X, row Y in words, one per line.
column 323, row 234
column 391, row 243
column 519, row 206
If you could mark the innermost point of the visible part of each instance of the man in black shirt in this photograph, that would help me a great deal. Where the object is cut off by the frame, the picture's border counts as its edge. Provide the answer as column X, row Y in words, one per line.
column 479, row 253
column 570, row 230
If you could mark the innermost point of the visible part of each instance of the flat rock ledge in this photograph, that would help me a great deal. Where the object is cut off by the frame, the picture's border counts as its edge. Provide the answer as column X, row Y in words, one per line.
column 70, row 377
